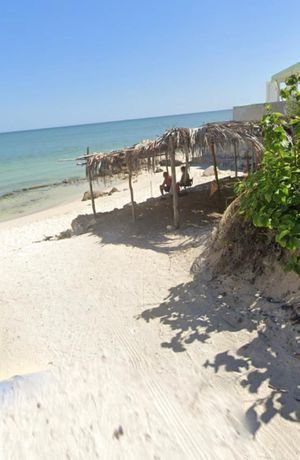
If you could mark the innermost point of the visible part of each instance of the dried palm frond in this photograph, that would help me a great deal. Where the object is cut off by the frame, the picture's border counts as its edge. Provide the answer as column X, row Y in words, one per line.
column 187, row 140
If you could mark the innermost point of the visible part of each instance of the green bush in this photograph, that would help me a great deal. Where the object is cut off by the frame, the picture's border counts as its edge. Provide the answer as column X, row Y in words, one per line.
column 292, row 95
column 270, row 197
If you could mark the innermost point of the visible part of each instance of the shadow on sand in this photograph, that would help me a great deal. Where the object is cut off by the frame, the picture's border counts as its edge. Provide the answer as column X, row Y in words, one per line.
column 196, row 311
column 153, row 227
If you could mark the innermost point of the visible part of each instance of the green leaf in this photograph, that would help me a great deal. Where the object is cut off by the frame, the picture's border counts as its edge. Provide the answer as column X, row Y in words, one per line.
column 271, row 196
column 282, row 234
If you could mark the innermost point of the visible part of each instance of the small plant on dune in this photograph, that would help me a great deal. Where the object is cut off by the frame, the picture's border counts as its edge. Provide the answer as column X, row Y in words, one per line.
column 270, row 197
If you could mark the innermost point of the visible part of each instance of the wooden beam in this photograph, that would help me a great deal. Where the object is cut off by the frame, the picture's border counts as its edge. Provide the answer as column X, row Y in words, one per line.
column 91, row 185
column 84, row 157
column 213, row 152
column 174, row 188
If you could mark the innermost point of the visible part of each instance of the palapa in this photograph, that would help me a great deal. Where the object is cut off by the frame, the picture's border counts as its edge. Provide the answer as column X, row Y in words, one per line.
column 191, row 141
column 188, row 141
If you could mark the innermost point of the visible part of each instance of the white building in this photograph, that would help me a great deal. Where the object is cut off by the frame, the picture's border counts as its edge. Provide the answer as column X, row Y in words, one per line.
column 254, row 112
column 273, row 86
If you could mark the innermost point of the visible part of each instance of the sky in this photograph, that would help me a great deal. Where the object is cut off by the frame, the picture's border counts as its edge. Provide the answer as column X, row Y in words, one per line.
column 67, row 62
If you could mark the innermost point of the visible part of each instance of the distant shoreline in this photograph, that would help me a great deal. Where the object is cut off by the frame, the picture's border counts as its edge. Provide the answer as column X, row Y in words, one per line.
column 124, row 120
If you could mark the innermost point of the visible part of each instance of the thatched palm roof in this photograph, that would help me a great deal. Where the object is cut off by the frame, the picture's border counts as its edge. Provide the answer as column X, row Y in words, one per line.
column 187, row 140
column 219, row 134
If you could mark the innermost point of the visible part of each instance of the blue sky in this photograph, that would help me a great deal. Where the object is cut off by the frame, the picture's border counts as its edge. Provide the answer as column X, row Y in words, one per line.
column 73, row 61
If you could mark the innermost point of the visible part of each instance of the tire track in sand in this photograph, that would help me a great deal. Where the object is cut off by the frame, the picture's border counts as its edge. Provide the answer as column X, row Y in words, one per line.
column 169, row 410
column 188, row 442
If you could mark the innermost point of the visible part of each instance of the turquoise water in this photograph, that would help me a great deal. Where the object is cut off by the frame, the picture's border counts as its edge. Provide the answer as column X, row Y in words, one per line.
column 31, row 158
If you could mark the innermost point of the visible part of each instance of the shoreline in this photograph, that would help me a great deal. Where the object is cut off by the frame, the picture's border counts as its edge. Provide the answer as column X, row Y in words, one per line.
column 68, row 181
column 75, row 204
column 35, row 216
column 12, row 213
column 57, row 195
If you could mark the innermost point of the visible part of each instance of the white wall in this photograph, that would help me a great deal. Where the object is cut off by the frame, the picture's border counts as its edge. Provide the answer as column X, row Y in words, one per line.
column 272, row 91
column 254, row 112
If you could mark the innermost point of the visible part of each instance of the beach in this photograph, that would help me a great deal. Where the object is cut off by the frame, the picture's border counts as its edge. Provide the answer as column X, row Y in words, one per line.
column 149, row 231
column 110, row 349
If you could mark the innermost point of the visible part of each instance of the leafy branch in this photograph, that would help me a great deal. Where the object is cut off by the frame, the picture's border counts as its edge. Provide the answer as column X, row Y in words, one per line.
column 270, row 197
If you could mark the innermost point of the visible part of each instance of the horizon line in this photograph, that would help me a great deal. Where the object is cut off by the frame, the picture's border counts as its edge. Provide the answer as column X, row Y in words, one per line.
column 109, row 121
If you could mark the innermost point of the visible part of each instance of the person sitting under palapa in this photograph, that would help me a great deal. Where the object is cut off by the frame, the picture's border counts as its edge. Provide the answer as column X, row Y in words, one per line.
column 165, row 187
column 185, row 180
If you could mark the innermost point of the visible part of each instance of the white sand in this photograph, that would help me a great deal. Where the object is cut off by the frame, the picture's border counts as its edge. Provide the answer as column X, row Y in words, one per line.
column 113, row 338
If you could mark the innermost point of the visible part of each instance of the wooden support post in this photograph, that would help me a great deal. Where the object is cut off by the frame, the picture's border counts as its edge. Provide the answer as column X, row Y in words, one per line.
column 213, row 152
column 91, row 184
column 131, row 190
column 235, row 158
column 167, row 161
column 153, row 163
column 174, row 188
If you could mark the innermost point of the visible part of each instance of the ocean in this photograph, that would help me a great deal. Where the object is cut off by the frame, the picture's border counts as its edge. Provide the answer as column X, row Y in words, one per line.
column 33, row 178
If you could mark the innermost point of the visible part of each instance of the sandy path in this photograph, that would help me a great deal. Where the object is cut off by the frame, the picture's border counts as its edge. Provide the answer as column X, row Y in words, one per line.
column 108, row 369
